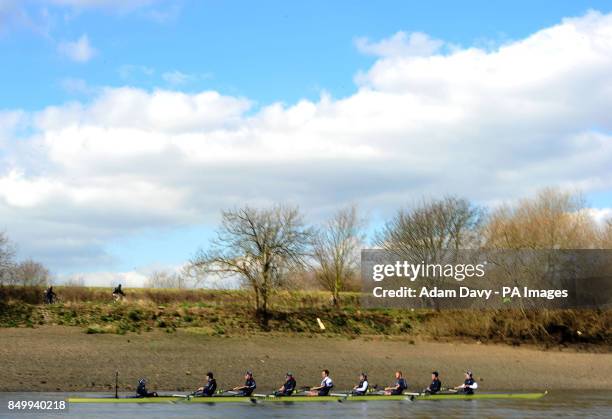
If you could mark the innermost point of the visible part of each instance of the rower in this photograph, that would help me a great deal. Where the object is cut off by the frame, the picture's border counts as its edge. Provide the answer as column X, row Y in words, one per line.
column 469, row 385
column 209, row 388
column 436, row 384
column 361, row 388
column 248, row 387
column 325, row 387
column 399, row 387
column 141, row 391
column 288, row 388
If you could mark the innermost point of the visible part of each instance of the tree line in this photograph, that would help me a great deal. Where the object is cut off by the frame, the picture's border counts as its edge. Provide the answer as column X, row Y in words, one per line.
column 27, row 272
column 265, row 248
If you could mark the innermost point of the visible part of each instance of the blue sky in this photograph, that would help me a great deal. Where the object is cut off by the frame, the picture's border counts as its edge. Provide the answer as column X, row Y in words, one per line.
column 78, row 72
column 268, row 51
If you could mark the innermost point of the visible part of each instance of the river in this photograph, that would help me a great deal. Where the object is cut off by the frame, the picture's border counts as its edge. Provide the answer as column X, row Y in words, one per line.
column 555, row 404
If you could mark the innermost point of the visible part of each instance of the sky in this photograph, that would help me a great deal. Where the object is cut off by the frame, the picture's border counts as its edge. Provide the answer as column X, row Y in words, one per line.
column 126, row 126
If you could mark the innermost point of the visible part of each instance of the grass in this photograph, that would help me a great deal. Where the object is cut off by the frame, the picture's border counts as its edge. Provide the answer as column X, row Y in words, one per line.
column 228, row 313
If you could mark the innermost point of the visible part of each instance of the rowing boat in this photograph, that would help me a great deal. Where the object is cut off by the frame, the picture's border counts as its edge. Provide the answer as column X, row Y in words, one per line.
column 301, row 399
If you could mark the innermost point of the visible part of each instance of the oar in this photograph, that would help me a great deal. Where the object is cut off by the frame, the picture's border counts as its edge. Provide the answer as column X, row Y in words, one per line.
column 116, row 384
column 443, row 390
column 192, row 394
column 227, row 393
column 448, row 390
column 302, row 389
column 376, row 393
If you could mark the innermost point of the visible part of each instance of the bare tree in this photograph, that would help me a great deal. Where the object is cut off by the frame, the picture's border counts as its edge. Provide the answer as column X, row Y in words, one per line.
column 606, row 235
column 166, row 279
column 7, row 252
column 432, row 227
column 30, row 273
column 336, row 251
column 259, row 247
column 433, row 232
column 535, row 227
column 553, row 219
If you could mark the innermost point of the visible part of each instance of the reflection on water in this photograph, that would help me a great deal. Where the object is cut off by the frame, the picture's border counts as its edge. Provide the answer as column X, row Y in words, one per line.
column 567, row 404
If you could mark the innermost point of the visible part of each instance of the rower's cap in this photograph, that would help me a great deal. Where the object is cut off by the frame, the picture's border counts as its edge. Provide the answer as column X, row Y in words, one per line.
column 289, row 374
column 469, row 372
column 435, row 373
column 249, row 372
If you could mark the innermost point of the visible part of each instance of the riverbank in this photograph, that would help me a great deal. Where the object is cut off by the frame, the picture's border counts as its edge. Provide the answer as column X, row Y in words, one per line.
column 300, row 313
column 63, row 358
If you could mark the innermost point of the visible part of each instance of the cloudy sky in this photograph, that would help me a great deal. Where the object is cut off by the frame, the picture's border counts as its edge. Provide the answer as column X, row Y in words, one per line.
column 126, row 126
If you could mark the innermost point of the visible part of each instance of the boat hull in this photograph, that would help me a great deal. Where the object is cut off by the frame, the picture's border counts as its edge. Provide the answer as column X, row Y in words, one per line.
column 481, row 396
column 306, row 399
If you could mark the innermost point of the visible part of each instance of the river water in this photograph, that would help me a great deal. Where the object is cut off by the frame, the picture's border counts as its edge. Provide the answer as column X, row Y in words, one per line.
column 555, row 404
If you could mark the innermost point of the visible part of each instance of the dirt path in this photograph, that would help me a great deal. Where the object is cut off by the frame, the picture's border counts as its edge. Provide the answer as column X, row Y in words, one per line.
column 66, row 359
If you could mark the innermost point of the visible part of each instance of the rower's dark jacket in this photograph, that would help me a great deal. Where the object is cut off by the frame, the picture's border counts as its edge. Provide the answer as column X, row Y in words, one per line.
column 142, row 390
column 289, row 386
column 210, row 388
column 49, row 295
column 250, row 386
column 468, row 382
column 402, row 385
column 435, row 386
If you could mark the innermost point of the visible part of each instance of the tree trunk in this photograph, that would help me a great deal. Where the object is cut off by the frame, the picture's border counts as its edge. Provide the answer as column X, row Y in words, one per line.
column 256, row 290
column 263, row 309
column 336, row 292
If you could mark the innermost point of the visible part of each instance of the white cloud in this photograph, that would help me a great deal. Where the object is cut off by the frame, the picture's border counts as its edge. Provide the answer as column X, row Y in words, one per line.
column 489, row 125
column 149, row 113
column 127, row 279
column 415, row 44
column 176, row 77
column 9, row 122
column 80, row 50
column 137, row 278
column 601, row 215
